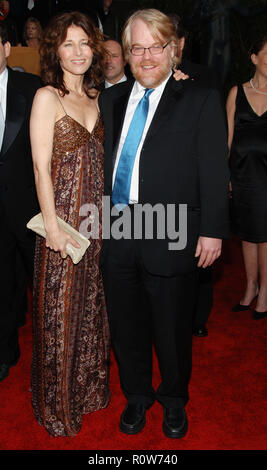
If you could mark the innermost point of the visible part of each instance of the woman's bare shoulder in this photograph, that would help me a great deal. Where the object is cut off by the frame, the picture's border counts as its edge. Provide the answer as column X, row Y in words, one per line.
column 231, row 98
column 46, row 102
column 233, row 92
column 47, row 93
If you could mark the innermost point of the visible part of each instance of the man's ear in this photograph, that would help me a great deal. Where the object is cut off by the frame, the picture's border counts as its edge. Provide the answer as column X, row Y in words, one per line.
column 173, row 46
column 7, row 49
column 182, row 43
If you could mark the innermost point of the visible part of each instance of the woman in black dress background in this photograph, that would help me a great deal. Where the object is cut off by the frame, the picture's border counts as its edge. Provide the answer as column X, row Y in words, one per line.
column 247, row 120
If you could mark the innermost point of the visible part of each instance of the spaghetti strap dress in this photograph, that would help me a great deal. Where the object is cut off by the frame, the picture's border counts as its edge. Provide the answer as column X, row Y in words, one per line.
column 248, row 164
column 70, row 326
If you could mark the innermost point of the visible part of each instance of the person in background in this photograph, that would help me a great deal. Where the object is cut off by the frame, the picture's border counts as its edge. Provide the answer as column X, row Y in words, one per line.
column 206, row 77
column 4, row 9
column 113, row 63
column 247, row 120
column 41, row 9
column 32, row 33
column 18, row 12
column 110, row 20
column 9, row 22
column 18, row 202
column 101, row 12
column 215, row 15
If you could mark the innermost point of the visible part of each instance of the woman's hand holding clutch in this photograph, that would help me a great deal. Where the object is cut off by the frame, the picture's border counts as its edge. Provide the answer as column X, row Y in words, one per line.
column 58, row 239
column 61, row 237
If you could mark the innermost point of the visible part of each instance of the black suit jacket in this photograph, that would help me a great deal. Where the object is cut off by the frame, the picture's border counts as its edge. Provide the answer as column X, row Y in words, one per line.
column 183, row 161
column 17, row 188
column 201, row 74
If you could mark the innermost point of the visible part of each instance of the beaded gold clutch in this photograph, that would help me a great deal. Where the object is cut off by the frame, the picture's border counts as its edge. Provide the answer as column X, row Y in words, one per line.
column 36, row 224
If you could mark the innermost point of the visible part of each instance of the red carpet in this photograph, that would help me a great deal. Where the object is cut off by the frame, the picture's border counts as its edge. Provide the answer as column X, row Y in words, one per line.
column 227, row 407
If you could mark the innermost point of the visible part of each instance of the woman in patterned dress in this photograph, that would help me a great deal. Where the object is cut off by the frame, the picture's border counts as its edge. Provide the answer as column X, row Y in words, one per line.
column 71, row 338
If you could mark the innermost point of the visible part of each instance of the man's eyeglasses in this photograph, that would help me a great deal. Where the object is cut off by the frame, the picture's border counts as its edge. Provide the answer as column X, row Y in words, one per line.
column 154, row 50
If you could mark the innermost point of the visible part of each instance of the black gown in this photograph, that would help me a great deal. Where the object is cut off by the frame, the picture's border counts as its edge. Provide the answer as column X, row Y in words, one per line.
column 248, row 164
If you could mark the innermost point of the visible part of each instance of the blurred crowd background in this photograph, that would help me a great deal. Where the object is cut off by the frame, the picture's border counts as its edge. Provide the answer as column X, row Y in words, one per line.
column 242, row 20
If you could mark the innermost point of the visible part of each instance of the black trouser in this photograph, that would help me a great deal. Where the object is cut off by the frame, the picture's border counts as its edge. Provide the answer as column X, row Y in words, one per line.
column 142, row 308
column 14, row 238
column 204, row 296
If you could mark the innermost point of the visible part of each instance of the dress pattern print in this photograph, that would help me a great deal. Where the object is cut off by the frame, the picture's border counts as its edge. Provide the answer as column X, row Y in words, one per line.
column 70, row 327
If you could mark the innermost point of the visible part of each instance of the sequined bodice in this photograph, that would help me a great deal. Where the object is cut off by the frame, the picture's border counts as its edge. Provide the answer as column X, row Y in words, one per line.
column 69, row 133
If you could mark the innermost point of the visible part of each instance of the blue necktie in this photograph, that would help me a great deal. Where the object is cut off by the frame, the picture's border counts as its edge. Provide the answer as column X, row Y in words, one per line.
column 121, row 188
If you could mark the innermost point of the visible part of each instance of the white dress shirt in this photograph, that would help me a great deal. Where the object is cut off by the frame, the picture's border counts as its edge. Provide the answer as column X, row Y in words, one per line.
column 3, row 91
column 30, row 4
column 108, row 84
column 135, row 96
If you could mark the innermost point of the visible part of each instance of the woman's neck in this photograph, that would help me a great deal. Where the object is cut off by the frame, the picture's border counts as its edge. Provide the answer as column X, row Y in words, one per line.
column 34, row 42
column 260, row 82
column 74, row 83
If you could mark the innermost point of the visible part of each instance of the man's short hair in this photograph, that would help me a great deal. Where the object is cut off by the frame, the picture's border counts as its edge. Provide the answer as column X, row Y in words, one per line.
column 3, row 33
column 107, row 38
column 179, row 28
column 157, row 22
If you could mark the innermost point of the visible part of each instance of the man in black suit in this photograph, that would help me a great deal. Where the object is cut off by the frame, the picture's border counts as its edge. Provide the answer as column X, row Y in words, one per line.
column 18, row 202
column 180, row 170
column 204, row 76
column 43, row 10
column 101, row 12
column 113, row 64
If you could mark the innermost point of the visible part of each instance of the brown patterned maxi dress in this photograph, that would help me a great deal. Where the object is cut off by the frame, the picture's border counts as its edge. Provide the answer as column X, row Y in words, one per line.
column 71, row 337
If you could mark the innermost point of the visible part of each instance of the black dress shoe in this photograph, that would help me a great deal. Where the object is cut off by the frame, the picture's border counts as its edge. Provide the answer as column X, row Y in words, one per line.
column 240, row 308
column 133, row 418
column 259, row 315
column 200, row 331
column 175, row 422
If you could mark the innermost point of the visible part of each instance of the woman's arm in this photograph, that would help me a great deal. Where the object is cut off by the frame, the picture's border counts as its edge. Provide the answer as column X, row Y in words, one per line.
column 43, row 117
column 230, row 109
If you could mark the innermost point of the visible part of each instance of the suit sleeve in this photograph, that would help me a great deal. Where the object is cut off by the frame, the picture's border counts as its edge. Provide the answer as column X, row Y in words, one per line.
column 213, row 168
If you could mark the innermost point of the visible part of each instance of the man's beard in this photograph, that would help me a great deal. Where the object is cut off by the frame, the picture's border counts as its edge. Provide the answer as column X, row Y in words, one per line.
column 155, row 78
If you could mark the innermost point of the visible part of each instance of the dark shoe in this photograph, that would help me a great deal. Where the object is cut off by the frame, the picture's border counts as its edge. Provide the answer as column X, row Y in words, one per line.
column 133, row 418
column 200, row 331
column 240, row 308
column 175, row 422
column 4, row 367
column 259, row 315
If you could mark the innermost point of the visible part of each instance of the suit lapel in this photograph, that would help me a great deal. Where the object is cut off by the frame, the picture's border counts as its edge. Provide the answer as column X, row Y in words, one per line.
column 172, row 92
column 15, row 114
column 119, row 111
column 114, row 131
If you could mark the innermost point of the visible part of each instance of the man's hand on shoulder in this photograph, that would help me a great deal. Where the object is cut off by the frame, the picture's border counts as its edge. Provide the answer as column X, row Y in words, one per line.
column 208, row 250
